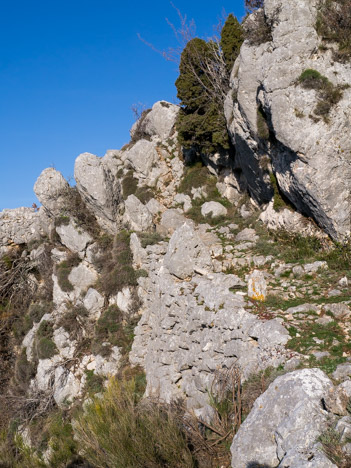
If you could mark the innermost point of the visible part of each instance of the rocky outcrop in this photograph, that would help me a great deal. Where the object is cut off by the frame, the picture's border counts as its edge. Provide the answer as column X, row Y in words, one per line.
column 159, row 121
column 52, row 190
column 100, row 189
column 195, row 322
column 21, row 226
column 310, row 157
column 285, row 423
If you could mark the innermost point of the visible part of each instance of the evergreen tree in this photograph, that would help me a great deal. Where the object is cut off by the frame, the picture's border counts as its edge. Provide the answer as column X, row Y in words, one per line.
column 231, row 40
column 202, row 85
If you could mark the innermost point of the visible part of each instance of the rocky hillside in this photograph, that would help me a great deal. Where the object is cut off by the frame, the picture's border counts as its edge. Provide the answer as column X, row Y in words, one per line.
column 211, row 292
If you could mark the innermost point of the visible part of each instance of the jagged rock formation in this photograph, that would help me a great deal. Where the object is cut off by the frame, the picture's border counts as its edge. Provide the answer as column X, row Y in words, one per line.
column 138, row 265
column 309, row 156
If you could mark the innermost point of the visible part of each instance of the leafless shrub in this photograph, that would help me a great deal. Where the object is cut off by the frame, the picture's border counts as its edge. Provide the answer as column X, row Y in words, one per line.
column 334, row 24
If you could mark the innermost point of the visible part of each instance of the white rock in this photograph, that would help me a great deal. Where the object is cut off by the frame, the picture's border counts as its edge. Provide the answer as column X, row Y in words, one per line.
column 213, row 209
column 257, row 286
column 73, row 237
column 137, row 215
column 93, row 302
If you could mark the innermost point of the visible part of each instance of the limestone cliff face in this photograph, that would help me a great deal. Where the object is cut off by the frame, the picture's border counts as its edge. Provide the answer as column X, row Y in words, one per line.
column 310, row 157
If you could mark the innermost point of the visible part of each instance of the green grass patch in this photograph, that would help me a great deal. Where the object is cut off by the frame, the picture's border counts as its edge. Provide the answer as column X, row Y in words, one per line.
column 63, row 270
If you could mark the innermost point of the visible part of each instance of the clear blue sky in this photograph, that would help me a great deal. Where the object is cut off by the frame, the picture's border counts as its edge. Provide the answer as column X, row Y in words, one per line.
column 70, row 70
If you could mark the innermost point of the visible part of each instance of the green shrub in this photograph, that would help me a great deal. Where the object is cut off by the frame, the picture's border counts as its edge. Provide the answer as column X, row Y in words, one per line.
column 119, row 430
column 44, row 347
column 115, row 265
column 63, row 270
column 144, row 194
column 328, row 94
column 149, row 238
column 114, row 329
column 94, row 382
column 196, row 175
column 278, row 201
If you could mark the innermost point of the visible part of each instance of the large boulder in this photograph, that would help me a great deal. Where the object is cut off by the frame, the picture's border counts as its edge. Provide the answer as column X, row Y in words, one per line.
column 137, row 215
column 52, row 190
column 285, row 423
column 99, row 188
column 186, row 252
column 142, row 157
column 158, row 121
column 309, row 156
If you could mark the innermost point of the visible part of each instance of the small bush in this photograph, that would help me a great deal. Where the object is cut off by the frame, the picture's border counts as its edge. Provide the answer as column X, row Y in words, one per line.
column 333, row 448
column 278, row 201
column 257, row 28
column 73, row 321
column 44, row 347
column 24, row 371
column 139, row 132
column 334, row 24
column 196, row 175
column 63, row 270
column 149, row 238
column 144, row 194
column 262, row 126
column 328, row 94
column 115, row 265
column 94, row 382
column 119, row 430
column 113, row 328
column 129, row 185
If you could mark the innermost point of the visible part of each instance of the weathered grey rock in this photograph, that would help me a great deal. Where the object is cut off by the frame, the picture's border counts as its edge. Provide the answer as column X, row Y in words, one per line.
column 159, row 121
column 21, row 226
column 191, row 328
column 74, row 237
column 342, row 372
column 247, row 234
column 339, row 310
column 171, row 220
column 155, row 207
column 285, row 423
column 82, row 277
column 52, row 190
column 309, row 158
column 139, row 254
column 137, row 215
column 303, row 308
column 338, row 398
column 108, row 366
column 93, row 302
column 257, row 287
column 99, row 188
column 343, row 282
column 186, row 252
column 315, row 267
column 141, row 157
column 66, row 386
column 290, row 221
column 213, row 209
column 184, row 200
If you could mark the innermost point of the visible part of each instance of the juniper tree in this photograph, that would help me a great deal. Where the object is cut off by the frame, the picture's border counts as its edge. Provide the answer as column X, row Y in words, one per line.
column 202, row 85
column 231, row 40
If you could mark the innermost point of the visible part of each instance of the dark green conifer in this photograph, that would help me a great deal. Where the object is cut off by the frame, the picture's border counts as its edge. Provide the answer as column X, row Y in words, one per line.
column 231, row 40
